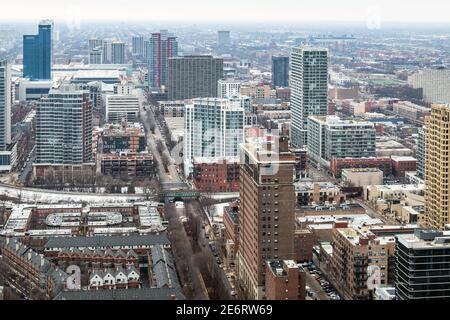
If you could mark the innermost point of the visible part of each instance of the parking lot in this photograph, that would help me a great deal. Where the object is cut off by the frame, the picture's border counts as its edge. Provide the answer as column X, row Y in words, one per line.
column 318, row 287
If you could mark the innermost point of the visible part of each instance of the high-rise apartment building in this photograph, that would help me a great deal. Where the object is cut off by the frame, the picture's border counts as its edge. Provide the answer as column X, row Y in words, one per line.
column 214, row 128
column 280, row 72
column 309, row 90
column 5, row 105
column 137, row 45
column 118, row 52
column 228, row 88
column 38, row 53
column 331, row 137
column 422, row 261
column 64, row 127
column 267, row 211
column 434, row 84
column 437, row 166
column 194, row 77
column 161, row 47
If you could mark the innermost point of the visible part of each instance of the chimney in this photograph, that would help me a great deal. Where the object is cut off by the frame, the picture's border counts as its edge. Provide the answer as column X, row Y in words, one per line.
column 29, row 255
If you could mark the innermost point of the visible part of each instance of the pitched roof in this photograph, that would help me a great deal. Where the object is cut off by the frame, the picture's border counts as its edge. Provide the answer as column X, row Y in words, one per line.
column 123, row 294
column 107, row 241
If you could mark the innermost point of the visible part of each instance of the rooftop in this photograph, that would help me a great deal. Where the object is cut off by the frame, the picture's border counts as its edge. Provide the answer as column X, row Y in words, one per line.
column 106, row 241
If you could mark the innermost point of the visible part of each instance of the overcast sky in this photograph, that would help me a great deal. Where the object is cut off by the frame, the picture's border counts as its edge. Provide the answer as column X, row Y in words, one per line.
column 229, row 10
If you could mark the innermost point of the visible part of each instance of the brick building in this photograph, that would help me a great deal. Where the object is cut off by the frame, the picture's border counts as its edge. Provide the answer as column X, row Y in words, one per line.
column 216, row 174
column 124, row 138
column 267, row 209
column 285, row 281
column 361, row 261
column 382, row 163
column 128, row 164
column 401, row 165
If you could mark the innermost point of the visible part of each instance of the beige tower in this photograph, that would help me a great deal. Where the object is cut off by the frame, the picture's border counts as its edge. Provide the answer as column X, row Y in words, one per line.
column 437, row 166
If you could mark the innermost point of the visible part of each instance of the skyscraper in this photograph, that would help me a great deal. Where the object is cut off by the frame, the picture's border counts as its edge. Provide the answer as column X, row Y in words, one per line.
column 223, row 39
column 436, row 167
column 213, row 128
column 5, row 105
column 96, row 56
column 95, row 43
column 161, row 47
column 138, row 45
column 280, row 71
column 64, row 127
column 38, row 53
column 194, row 77
column 421, row 261
column 309, row 85
column 267, row 216
column 117, row 52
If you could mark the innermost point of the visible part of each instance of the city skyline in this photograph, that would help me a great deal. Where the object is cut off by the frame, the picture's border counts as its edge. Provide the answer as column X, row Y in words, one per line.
column 370, row 12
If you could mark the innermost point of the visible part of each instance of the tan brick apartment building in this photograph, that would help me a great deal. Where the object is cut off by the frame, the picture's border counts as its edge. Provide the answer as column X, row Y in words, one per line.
column 267, row 213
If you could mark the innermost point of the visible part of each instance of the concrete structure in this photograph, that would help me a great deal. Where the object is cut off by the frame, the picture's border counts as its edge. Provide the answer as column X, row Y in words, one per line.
column 33, row 90
column 213, row 128
column 122, row 107
column 309, row 85
column 38, row 53
column 361, row 262
column 161, row 47
column 194, row 77
column 330, row 137
column 228, row 88
column 172, row 109
column 436, row 166
column 317, row 192
column 420, row 273
column 434, row 83
column 397, row 191
column 285, row 280
column 267, row 211
column 214, row 175
column 64, row 128
column 362, row 177
column 280, row 71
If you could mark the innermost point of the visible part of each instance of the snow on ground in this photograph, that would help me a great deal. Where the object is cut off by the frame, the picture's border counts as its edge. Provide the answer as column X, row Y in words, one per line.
column 46, row 196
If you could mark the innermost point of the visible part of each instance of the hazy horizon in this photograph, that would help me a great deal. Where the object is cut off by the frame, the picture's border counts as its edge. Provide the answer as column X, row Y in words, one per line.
column 231, row 11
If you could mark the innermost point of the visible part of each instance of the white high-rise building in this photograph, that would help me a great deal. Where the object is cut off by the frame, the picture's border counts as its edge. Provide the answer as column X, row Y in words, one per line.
column 309, row 85
column 5, row 105
column 64, row 127
column 214, row 128
column 435, row 84
column 228, row 88
column 122, row 107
